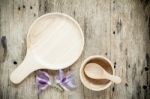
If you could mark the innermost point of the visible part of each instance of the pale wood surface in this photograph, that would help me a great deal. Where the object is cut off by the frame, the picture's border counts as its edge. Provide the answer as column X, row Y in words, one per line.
column 118, row 29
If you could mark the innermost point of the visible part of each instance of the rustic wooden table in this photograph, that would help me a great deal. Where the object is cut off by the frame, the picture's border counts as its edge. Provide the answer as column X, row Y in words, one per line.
column 117, row 29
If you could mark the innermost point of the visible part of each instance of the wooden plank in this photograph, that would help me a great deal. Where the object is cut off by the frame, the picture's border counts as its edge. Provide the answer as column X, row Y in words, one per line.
column 64, row 6
column 94, row 23
column 97, row 34
column 117, row 29
column 129, row 45
column 16, row 17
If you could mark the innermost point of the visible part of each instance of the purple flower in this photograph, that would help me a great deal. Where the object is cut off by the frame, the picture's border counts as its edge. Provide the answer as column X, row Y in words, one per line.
column 65, row 81
column 42, row 80
column 62, row 81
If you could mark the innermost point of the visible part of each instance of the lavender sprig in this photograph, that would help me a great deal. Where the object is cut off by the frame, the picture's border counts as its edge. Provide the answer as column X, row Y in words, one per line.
column 65, row 81
column 43, row 80
column 62, row 81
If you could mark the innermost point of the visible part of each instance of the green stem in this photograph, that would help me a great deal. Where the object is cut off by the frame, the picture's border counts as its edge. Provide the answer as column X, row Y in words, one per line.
column 57, row 86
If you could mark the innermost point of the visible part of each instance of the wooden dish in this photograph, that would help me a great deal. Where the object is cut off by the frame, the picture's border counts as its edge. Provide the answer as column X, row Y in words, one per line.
column 93, row 84
column 54, row 41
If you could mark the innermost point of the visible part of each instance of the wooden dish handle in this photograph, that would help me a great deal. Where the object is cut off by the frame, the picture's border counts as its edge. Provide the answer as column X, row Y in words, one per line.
column 26, row 67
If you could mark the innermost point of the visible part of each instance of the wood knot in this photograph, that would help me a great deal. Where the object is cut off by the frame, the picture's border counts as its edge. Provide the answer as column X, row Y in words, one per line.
column 114, row 32
column 144, row 87
column 113, row 89
column 126, row 84
column 146, row 68
column 119, row 26
column 24, row 6
column 30, row 7
column 15, row 62
column 19, row 8
column 115, row 64
column 3, row 49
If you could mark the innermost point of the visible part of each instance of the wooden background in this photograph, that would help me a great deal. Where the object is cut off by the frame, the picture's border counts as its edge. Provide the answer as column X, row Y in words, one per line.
column 117, row 29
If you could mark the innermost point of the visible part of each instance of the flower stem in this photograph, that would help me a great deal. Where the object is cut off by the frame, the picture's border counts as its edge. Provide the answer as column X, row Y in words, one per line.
column 57, row 86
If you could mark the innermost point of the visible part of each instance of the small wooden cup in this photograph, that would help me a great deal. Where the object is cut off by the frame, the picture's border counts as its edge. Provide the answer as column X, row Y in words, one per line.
column 93, row 84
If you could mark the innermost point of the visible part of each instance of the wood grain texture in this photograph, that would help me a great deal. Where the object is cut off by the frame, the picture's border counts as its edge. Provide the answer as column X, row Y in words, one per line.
column 117, row 29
